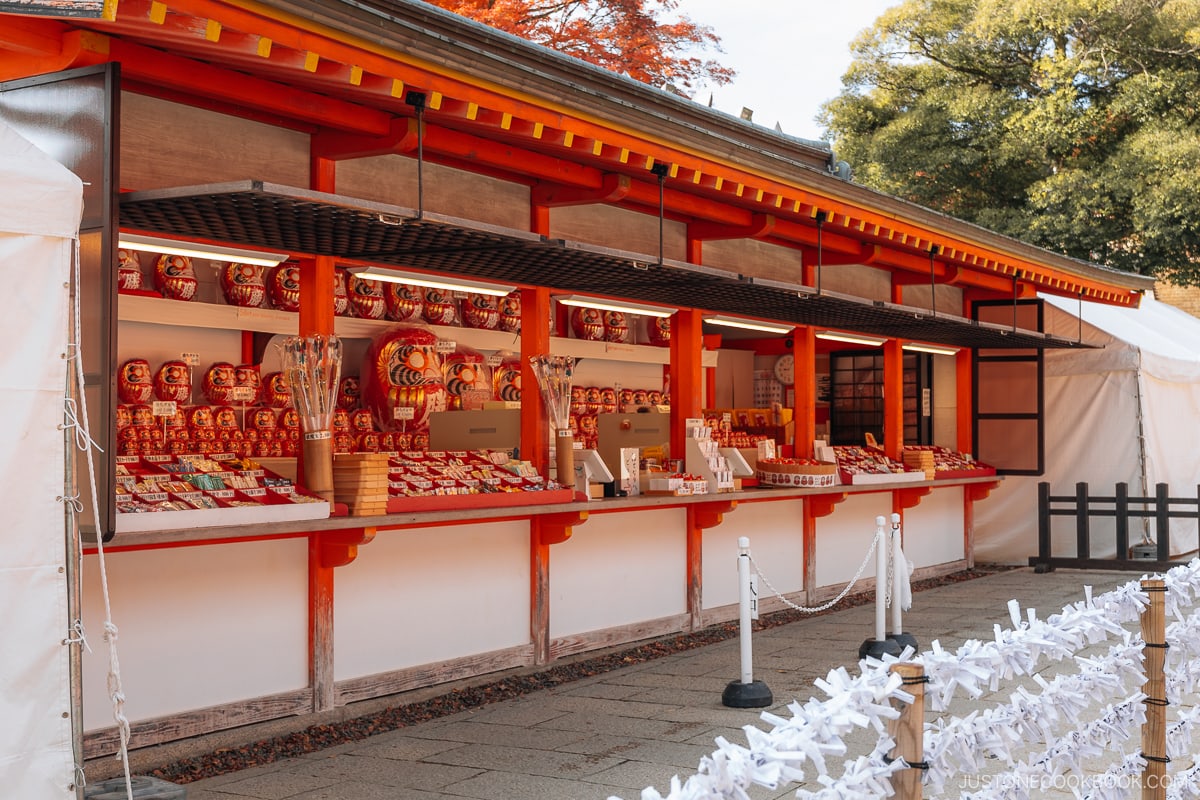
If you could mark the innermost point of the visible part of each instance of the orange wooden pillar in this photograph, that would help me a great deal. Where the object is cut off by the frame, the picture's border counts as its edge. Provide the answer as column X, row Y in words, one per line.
column 686, row 396
column 328, row 549
column 804, row 410
column 687, row 374
column 964, row 407
column 893, row 398
column 535, row 448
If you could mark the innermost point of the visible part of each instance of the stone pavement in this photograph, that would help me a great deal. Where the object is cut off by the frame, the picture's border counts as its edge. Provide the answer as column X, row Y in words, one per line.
column 616, row 733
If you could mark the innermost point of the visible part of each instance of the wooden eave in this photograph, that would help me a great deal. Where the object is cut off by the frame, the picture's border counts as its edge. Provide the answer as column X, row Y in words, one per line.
column 499, row 105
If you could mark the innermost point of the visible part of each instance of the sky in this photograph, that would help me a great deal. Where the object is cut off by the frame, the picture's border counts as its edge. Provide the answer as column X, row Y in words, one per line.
column 789, row 55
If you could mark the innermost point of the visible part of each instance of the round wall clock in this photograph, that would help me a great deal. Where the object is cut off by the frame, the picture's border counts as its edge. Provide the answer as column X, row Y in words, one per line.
column 785, row 369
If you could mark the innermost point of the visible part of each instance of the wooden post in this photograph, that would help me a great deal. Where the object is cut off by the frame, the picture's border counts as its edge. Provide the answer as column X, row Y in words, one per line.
column 1154, row 732
column 1083, row 545
column 1121, row 510
column 1044, row 522
column 909, row 731
column 1162, row 521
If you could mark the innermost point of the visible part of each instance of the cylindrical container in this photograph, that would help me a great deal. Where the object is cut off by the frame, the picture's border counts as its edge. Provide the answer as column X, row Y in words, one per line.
column 318, row 463
column 564, row 457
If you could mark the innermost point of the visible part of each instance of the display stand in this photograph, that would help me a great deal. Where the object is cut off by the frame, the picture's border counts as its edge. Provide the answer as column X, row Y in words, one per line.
column 704, row 458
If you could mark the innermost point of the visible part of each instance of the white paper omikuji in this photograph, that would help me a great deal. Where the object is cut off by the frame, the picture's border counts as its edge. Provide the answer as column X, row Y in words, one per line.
column 776, row 757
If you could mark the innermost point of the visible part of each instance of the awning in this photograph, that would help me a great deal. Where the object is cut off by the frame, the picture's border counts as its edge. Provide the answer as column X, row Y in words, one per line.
column 304, row 222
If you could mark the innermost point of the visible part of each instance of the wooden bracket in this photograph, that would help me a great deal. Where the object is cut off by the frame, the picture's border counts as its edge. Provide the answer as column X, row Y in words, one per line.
column 907, row 498
column 979, row 491
column 821, row 505
column 401, row 138
column 613, row 187
column 710, row 515
column 556, row 528
column 339, row 548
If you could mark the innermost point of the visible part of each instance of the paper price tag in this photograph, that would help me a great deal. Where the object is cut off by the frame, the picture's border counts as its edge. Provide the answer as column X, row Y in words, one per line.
column 445, row 346
column 163, row 408
column 242, row 394
column 191, row 359
column 494, row 360
column 404, row 412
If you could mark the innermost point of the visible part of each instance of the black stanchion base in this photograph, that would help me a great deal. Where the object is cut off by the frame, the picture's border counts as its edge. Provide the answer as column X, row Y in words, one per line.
column 905, row 640
column 746, row 695
column 878, row 648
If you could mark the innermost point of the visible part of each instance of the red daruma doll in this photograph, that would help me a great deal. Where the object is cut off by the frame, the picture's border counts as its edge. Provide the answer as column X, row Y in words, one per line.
column 129, row 270
column 588, row 323
column 468, row 378
column 248, row 379
column 134, row 382
column 404, row 304
column 275, row 391
column 174, row 277
column 242, row 285
column 219, row 383
column 283, row 287
column 366, row 298
column 402, row 370
column 173, row 382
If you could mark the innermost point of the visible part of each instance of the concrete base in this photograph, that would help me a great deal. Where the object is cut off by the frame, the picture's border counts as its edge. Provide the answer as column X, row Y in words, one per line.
column 905, row 640
column 878, row 648
column 746, row 695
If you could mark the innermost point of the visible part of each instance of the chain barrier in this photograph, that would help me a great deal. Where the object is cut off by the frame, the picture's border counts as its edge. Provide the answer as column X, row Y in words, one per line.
column 842, row 594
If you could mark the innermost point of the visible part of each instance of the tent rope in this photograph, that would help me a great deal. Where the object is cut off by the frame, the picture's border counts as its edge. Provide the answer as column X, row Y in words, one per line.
column 85, row 443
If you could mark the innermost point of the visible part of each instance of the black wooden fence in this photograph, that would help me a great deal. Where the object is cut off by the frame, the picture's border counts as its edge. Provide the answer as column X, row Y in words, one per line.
column 1084, row 506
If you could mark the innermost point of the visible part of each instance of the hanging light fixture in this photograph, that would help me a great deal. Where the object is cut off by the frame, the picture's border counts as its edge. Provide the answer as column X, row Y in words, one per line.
column 748, row 324
column 851, row 338
column 614, row 305
column 178, row 247
column 916, row 347
column 431, row 281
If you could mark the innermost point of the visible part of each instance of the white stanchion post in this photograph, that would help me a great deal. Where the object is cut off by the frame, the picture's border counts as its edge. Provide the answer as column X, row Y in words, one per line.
column 899, row 587
column 747, row 692
column 881, row 561
column 881, row 645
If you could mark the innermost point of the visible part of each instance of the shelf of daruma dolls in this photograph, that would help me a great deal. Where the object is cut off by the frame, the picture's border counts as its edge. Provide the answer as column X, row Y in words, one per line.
column 161, row 311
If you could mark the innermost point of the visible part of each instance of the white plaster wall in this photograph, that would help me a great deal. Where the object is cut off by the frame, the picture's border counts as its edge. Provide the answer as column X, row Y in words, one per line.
column 844, row 536
column 197, row 626
column 618, row 569
column 776, row 532
column 933, row 529
column 419, row 596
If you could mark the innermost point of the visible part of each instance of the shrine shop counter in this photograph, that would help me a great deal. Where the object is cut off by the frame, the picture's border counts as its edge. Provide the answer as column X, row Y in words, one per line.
column 426, row 598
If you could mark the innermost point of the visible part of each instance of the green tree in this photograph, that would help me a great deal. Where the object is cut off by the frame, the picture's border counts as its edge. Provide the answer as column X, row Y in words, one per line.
column 1070, row 124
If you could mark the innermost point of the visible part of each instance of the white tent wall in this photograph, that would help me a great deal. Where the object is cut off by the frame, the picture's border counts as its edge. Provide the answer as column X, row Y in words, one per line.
column 39, row 218
column 1107, row 411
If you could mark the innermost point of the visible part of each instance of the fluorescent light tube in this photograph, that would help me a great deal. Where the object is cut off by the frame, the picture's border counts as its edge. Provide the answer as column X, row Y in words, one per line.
column 930, row 348
column 177, row 247
column 749, row 324
column 614, row 305
column 851, row 338
column 432, row 281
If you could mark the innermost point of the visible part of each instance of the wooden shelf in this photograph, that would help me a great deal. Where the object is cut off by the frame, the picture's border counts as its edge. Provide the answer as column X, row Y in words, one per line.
column 161, row 311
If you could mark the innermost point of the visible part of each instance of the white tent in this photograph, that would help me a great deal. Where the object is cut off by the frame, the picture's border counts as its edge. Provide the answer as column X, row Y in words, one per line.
column 1128, row 412
column 40, row 208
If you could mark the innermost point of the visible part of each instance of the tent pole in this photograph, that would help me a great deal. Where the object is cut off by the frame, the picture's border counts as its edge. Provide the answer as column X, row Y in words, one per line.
column 74, row 563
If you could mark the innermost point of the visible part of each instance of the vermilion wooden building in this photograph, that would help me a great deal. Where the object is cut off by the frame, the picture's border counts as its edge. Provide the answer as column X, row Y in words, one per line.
column 391, row 133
